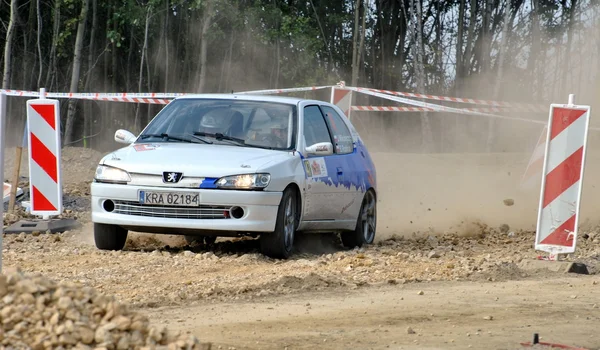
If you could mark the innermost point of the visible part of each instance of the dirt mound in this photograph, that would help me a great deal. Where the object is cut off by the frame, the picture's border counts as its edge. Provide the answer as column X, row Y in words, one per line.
column 38, row 313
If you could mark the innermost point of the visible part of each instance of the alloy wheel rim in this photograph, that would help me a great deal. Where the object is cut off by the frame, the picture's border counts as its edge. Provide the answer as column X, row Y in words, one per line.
column 289, row 223
column 369, row 217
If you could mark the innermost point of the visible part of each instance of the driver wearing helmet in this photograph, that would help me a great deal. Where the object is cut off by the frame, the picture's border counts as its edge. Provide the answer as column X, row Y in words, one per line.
column 212, row 122
column 279, row 132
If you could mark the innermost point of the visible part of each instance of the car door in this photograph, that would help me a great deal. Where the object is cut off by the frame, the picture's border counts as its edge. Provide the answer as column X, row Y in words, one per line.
column 348, row 166
column 321, row 200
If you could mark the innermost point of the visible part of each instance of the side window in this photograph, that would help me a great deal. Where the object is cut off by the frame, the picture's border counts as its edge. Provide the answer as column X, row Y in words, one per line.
column 315, row 128
column 342, row 137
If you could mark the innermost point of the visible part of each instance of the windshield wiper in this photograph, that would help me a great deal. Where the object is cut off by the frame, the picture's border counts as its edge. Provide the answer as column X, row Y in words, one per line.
column 167, row 136
column 196, row 137
column 220, row 137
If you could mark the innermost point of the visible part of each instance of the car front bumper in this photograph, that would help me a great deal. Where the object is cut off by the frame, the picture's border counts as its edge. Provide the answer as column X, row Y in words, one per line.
column 119, row 205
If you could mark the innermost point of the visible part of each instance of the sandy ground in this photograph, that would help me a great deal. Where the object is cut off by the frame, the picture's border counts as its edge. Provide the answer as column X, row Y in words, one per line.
column 448, row 315
column 443, row 229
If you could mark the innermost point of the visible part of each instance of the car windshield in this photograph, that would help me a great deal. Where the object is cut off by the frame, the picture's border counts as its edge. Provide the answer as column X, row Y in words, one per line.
column 225, row 121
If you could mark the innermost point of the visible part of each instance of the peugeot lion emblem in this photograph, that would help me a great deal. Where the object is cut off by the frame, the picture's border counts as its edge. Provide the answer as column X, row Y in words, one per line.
column 171, row 177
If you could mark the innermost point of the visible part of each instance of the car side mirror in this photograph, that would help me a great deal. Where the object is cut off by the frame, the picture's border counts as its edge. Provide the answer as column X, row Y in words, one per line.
column 124, row 136
column 320, row 149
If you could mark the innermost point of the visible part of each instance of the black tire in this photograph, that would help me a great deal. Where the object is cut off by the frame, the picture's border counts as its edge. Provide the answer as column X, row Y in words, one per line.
column 210, row 240
column 279, row 243
column 109, row 237
column 366, row 223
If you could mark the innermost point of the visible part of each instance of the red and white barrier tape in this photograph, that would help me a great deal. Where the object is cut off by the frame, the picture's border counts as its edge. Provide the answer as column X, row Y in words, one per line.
column 144, row 97
column 23, row 93
column 418, row 109
column 164, row 98
column 533, row 107
column 421, row 109
column 438, row 108
column 160, row 101
column 283, row 91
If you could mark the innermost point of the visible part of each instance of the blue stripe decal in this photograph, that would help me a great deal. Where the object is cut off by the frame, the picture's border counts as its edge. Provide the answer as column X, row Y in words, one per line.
column 358, row 170
column 209, row 182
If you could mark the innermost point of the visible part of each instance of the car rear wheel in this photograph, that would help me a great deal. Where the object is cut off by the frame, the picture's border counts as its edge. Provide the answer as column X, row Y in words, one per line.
column 279, row 243
column 109, row 237
column 364, row 233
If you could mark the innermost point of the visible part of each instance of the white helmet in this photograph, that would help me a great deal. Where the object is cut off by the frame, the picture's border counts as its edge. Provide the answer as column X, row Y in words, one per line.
column 213, row 121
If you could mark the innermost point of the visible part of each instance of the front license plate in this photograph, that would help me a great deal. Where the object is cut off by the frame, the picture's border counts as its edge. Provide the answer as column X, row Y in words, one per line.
column 170, row 198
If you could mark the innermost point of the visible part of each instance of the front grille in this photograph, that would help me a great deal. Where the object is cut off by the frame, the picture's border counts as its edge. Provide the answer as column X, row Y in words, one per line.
column 200, row 212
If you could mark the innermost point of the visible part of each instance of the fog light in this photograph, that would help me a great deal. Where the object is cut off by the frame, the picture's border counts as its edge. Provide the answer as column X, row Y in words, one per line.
column 236, row 212
column 108, row 205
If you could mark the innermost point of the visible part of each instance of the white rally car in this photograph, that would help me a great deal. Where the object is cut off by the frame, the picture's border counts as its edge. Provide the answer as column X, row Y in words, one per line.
column 231, row 165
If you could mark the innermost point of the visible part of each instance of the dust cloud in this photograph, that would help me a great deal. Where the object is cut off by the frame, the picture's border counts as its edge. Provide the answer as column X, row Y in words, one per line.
column 458, row 188
column 463, row 185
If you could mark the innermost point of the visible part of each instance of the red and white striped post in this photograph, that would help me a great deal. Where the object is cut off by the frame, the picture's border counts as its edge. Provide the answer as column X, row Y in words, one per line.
column 564, row 164
column 342, row 98
column 43, row 125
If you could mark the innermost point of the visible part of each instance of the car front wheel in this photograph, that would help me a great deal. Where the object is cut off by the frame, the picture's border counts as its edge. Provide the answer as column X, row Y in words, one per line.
column 109, row 237
column 279, row 243
column 364, row 233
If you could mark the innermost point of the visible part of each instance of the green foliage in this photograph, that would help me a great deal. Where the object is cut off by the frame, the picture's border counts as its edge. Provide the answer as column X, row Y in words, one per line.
column 259, row 43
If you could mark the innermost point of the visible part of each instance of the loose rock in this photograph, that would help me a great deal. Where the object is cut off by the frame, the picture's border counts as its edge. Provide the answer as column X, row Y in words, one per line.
column 88, row 318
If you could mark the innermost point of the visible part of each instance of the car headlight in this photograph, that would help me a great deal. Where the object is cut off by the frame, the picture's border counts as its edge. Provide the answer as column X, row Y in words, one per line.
column 110, row 174
column 246, row 181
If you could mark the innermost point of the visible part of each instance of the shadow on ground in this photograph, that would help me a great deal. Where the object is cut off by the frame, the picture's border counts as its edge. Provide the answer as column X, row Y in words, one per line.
column 305, row 245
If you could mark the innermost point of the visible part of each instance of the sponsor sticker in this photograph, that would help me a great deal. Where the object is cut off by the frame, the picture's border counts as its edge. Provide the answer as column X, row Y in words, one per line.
column 145, row 147
column 318, row 168
column 307, row 168
column 321, row 148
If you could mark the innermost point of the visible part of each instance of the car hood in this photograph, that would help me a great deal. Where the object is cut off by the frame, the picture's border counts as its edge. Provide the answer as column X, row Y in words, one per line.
column 196, row 160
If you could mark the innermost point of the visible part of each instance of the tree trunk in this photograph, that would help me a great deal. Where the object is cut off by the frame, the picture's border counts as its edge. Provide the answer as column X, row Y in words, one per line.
column 278, row 64
column 204, row 46
column 28, row 59
column 459, row 47
column 228, row 75
column 10, row 31
column 87, row 115
column 565, row 68
column 486, row 38
column 532, row 67
column 439, row 48
column 144, row 51
column 129, row 64
column 499, row 75
column 137, row 122
column 52, row 69
column 355, row 44
column 166, row 87
column 39, row 47
column 75, row 73
column 470, row 37
column 361, row 46
column 426, row 132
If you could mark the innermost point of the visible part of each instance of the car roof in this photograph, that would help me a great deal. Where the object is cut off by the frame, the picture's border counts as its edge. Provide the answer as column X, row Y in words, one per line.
column 249, row 97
